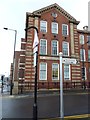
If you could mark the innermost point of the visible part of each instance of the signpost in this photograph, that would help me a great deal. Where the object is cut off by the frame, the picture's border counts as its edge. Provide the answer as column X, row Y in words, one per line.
column 65, row 61
column 69, row 61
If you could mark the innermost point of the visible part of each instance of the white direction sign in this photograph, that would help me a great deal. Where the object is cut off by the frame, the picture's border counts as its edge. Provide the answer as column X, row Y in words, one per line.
column 69, row 61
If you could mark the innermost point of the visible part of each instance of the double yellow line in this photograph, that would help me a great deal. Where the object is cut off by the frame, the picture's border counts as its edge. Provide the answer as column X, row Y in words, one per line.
column 77, row 116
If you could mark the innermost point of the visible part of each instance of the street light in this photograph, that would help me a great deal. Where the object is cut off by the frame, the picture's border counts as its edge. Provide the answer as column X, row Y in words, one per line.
column 83, row 65
column 12, row 80
column 35, row 47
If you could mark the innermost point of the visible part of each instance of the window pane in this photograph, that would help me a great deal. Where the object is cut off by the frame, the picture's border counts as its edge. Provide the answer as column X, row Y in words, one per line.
column 65, row 29
column 81, row 38
column 55, row 71
column 55, row 27
column 54, row 47
column 82, row 54
column 65, row 48
column 43, row 46
column 43, row 71
column 66, row 72
column 43, row 26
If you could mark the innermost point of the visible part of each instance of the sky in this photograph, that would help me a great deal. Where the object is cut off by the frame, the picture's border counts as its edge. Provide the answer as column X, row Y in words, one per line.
column 13, row 15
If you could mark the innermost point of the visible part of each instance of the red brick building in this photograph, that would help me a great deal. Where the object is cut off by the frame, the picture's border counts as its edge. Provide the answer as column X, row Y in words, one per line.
column 16, row 69
column 84, row 44
column 57, row 32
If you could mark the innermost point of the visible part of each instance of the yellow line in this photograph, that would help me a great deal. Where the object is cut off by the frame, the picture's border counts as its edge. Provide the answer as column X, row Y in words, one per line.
column 78, row 116
column 71, row 117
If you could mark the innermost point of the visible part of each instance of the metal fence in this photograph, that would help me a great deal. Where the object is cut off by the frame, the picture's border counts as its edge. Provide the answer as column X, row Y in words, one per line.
column 27, row 86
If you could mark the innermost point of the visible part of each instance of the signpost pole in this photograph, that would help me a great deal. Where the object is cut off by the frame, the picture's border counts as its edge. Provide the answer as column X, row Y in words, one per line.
column 65, row 61
column 61, row 89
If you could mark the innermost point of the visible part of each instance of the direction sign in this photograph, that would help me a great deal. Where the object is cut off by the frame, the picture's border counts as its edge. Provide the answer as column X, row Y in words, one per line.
column 69, row 61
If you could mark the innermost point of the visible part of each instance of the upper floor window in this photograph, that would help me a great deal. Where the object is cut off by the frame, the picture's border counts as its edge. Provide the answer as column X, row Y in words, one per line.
column 65, row 48
column 54, row 27
column 54, row 47
column 66, row 72
column 82, row 54
column 89, row 55
column 64, row 29
column 43, row 46
column 81, row 38
column 43, row 71
column 55, row 71
column 43, row 26
column 88, row 39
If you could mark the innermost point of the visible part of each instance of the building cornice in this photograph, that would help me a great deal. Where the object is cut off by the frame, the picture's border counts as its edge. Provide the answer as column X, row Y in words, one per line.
column 83, row 31
column 60, row 9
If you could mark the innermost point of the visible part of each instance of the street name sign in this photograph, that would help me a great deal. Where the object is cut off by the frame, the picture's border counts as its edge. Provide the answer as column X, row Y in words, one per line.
column 69, row 61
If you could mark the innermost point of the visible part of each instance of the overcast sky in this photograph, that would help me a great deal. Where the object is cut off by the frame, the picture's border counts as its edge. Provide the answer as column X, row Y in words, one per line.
column 13, row 13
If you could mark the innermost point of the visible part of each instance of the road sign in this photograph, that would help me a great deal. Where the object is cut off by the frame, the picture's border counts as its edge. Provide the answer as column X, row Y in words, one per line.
column 69, row 61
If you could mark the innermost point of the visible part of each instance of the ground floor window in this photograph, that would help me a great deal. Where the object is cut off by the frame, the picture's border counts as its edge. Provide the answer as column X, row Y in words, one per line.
column 66, row 72
column 55, row 71
column 43, row 71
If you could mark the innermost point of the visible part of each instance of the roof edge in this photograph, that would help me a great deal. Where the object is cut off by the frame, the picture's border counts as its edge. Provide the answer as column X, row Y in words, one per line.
column 64, row 12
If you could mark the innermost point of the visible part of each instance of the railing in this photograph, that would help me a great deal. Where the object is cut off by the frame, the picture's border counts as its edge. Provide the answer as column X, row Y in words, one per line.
column 27, row 86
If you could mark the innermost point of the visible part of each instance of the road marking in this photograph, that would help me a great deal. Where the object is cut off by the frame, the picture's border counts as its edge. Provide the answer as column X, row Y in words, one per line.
column 74, row 117
column 78, row 116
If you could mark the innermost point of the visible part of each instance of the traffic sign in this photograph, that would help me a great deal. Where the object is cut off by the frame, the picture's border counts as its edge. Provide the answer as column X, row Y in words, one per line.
column 69, row 61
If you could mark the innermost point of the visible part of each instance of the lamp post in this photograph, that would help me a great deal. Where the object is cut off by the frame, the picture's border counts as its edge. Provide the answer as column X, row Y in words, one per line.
column 12, row 80
column 83, row 64
column 35, row 47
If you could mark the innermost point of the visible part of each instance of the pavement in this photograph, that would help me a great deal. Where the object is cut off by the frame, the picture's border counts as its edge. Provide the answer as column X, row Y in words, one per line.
column 44, row 92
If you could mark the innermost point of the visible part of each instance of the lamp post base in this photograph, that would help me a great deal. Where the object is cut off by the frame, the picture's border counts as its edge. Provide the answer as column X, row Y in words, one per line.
column 35, row 111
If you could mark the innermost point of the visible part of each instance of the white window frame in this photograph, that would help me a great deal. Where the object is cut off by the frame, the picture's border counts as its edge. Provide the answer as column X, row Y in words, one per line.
column 85, row 74
column 52, row 47
column 58, row 71
column 69, row 77
column 81, row 39
column 64, row 48
column 42, row 46
column 63, row 30
column 43, row 26
column 54, row 27
column 43, row 70
column 81, row 55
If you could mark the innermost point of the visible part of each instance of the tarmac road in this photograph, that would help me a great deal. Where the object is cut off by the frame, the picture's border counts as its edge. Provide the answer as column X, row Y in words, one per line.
column 48, row 105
